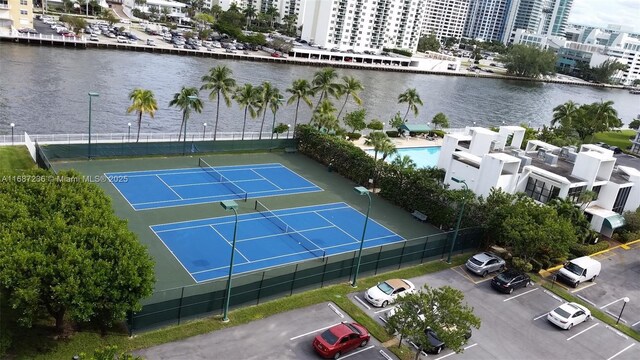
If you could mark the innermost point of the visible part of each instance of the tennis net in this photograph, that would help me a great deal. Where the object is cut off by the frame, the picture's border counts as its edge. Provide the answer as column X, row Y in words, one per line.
column 222, row 179
column 302, row 240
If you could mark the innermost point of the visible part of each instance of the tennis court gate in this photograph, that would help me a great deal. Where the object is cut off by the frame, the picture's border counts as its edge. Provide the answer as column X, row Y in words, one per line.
column 173, row 306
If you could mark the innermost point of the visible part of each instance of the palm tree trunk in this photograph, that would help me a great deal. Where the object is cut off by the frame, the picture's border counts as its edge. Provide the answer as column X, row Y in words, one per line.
column 407, row 113
column 343, row 105
column 181, row 126
column 295, row 120
column 273, row 124
column 139, row 125
column 264, row 113
column 244, row 123
column 215, row 126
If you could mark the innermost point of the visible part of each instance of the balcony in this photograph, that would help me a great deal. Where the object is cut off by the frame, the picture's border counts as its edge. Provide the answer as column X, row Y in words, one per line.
column 4, row 6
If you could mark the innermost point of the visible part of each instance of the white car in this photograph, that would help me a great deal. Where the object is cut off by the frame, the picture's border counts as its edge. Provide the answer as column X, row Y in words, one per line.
column 567, row 315
column 387, row 292
column 122, row 39
column 93, row 37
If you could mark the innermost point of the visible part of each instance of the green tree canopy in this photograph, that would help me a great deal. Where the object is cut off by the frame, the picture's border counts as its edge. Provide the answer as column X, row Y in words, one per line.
column 440, row 119
column 356, row 120
column 604, row 72
column 142, row 101
column 528, row 61
column 428, row 43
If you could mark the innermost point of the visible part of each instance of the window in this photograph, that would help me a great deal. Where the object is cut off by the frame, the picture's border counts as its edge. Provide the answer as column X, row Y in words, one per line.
column 24, row 2
column 621, row 200
column 24, row 12
column 596, row 189
column 574, row 193
column 540, row 191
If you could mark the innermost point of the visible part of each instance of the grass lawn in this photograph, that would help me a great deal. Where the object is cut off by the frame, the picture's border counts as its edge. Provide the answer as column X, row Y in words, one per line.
column 36, row 344
column 15, row 158
column 615, row 138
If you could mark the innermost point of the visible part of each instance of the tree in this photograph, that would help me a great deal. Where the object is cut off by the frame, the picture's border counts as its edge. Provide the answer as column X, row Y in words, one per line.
column 604, row 72
column 183, row 101
column 220, row 82
column 143, row 101
column 275, row 102
column 324, row 116
column 324, row 83
column 290, row 23
column 281, row 128
column 272, row 13
column 109, row 17
column 564, row 114
column 396, row 121
column 528, row 61
column 299, row 90
column 350, row 87
column 594, row 118
column 405, row 319
column 429, row 43
column 249, row 13
column 356, row 120
column 450, row 41
column 248, row 97
column 634, row 124
column 441, row 120
column 381, row 144
column 375, row 124
column 108, row 353
column 266, row 93
column 64, row 252
column 403, row 166
column 412, row 99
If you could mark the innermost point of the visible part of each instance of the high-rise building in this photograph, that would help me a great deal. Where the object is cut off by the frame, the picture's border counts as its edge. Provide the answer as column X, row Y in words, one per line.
column 541, row 17
column 445, row 18
column 284, row 7
column 15, row 14
column 364, row 25
column 556, row 16
column 487, row 19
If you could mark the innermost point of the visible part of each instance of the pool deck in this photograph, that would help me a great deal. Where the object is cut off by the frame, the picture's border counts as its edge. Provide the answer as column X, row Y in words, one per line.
column 403, row 142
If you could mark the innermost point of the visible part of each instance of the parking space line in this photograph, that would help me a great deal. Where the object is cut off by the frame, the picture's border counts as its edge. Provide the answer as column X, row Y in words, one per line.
column 543, row 315
column 470, row 346
column 621, row 351
column 362, row 302
column 384, row 354
column 617, row 332
column 524, row 293
column 553, row 295
column 587, row 300
column 611, row 303
column 616, row 316
column 383, row 310
column 463, row 274
column 335, row 310
column 584, row 287
column 311, row 332
column 636, row 323
column 382, row 319
column 359, row 351
column 589, row 328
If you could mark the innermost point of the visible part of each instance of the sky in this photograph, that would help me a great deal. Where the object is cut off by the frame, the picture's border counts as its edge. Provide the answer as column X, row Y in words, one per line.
column 604, row 12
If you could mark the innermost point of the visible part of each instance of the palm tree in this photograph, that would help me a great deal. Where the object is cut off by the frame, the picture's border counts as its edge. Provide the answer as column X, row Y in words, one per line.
column 605, row 116
column 412, row 98
column 275, row 102
column 273, row 14
column 381, row 144
column 143, row 101
column 220, row 82
column 440, row 119
column 324, row 116
column 324, row 83
column 249, row 13
column 248, row 97
column 266, row 92
column 563, row 114
column 299, row 90
column 350, row 87
column 183, row 101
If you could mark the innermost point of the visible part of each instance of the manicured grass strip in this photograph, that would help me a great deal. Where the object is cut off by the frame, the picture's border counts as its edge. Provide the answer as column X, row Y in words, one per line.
column 15, row 158
column 89, row 341
column 615, row 138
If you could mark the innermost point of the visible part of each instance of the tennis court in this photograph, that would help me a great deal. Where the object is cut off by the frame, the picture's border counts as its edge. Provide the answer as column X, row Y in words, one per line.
column 155, row 189
column 269, row 238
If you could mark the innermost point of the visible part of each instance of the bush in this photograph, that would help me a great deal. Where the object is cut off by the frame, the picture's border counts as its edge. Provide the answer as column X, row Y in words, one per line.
column 520, row 264
column 375, row 125
column 536, row 265
column 392, row 133
column 438, row 133
column 579, row 250
column 353, row 136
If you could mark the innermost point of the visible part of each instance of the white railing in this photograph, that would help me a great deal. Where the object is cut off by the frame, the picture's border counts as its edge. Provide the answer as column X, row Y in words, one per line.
column 73, row 39
column 131, row 137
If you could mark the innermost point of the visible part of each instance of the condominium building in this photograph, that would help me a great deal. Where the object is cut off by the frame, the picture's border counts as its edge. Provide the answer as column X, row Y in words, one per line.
column 556, row 17
column 361, row 25
column 15, row 14
column 445, row 18
column 542, row 17
column 626, row 50
column 487, row 19
column 486, row 159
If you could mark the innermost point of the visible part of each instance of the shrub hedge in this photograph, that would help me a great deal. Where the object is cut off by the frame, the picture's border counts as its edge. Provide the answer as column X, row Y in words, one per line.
column 353, row 136
column 578, row 250
column 392, row 133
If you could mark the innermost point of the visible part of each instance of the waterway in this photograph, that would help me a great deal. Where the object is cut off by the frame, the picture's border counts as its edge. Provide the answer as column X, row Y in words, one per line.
column 44, row 90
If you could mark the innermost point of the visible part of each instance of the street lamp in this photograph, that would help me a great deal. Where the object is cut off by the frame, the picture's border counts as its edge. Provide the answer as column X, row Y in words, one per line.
column 91, row 96
column 12, row 126
column 455, row 232
column 233, row 206
column 191, row 98
column 361, row 190
column 204, row 130
column 626, row 300
column 129, row 132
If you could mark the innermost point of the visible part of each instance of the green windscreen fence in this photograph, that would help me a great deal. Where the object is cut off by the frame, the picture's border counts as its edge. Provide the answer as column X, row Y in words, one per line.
column 173, row 306
column 55, row 152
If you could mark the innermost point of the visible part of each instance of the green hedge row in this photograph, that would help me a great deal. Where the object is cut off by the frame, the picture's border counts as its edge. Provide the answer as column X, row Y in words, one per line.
column 578, row 250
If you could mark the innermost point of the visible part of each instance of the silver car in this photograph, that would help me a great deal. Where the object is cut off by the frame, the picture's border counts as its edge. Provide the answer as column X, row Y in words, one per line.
column 484, row 263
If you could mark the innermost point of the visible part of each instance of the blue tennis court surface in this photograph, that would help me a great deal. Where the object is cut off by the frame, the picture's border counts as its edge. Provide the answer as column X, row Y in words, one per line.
column 176, row 187
column 203, row 247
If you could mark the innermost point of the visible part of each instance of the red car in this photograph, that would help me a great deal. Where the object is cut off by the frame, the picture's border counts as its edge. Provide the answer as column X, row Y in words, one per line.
column 275, row 54
column 339, row 339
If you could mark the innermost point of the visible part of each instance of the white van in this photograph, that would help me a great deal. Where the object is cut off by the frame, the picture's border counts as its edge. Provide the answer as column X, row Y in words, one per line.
column 580, row 270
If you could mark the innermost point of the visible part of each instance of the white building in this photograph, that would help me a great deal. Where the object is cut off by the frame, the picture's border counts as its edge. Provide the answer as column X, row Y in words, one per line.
column 363, row 25
column 176, row 10
column 15, row 14
column 626, row 49
column 284, row 7
column 485, row 159
column 540, row 41
column 445, row 18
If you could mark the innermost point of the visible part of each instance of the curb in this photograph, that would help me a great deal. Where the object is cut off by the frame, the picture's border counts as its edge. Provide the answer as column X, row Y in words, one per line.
column 551, row 269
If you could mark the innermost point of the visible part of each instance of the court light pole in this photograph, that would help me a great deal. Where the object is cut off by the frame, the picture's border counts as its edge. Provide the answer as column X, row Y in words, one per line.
column 361, row 190
column 129, row 132
column 91, row 96
column 230, row 205
column 12, row 126
column 626, row 300
column 455, row 232
column 204, row 130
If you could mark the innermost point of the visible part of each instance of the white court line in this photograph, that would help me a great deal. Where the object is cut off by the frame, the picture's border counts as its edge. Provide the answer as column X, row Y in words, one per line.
column 589, row 328
column 174, row 255
column 267, row 180
column 621, row 351
column 219, row 182
column 543, row 315
column 170, row 188
column 362, row 302
column 338, row 227
column 611, row 303
column 120, row 192
column 229, row 243
column 313, row 331
column 180, row 171
column 358, row 352
column 524, row 293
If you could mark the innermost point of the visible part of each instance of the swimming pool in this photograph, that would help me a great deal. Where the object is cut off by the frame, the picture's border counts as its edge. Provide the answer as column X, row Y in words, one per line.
column 422, row 156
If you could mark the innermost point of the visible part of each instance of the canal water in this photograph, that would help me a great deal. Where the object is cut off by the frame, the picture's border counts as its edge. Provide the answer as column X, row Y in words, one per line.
column 44, row 90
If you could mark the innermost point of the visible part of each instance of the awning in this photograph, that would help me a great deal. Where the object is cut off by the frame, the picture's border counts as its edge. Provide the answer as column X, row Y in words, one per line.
column 615, row 221
column 415, row 127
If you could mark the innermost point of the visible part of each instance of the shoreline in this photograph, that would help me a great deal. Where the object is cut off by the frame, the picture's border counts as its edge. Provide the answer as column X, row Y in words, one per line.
column 83, row 44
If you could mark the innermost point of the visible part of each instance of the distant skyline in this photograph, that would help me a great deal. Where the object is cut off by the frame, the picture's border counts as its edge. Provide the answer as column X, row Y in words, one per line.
column 605, row 12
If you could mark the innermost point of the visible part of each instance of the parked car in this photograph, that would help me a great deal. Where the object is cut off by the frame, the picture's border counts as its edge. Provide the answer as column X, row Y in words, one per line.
column 616, row 150
column 510, row 280
column 580, row 270
column 339, row 339
column 435, row 344
column 122, row 39
column 151, row 42
column 484, row 263
column 387, row 292
column 568, row 315
column 94, row 37
column 275, row 54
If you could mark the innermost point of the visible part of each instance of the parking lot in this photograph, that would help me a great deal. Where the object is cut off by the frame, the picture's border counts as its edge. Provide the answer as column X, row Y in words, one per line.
column 283, row 336
column 515, row 326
